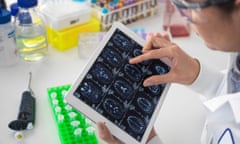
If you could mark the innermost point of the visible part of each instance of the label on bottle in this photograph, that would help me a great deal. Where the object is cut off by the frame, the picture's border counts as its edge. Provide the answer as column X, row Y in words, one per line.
column 8, row 55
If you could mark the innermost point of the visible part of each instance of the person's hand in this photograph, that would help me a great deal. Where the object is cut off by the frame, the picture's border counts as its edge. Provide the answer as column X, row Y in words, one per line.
column 184, row 68
column 106, row 135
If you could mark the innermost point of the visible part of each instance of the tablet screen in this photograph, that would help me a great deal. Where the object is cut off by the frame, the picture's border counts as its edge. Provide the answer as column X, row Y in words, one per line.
column 113, row 87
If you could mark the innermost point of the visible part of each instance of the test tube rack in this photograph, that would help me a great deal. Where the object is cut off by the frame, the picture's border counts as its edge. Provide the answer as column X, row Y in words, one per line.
column 73, row 127
column 126, row 14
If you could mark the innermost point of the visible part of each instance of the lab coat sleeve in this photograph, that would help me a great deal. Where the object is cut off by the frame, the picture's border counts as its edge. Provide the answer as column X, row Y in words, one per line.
column 208, row 82
column 155, row 140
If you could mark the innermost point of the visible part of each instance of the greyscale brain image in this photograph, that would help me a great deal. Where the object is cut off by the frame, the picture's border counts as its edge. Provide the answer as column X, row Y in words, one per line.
column 113, row 87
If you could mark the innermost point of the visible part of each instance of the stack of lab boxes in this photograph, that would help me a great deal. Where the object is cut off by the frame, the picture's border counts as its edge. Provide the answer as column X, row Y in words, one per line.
column 66, row 20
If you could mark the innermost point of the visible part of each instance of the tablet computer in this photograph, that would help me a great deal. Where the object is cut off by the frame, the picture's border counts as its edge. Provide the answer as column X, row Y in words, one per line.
column 111, row 90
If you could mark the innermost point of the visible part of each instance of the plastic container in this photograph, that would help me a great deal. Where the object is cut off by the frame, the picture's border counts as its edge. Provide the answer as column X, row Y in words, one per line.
column 173, row 22
column 68, row 38
column 8, row 54
column 31, row 37
column 65, row 14
column 88, row 42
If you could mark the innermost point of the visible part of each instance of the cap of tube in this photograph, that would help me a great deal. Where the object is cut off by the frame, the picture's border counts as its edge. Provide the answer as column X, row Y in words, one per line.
column 104, row 10
column 27, row 3
column 14, row 9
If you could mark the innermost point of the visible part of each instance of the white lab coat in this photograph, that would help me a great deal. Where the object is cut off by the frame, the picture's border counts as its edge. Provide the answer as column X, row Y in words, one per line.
column 222, row 125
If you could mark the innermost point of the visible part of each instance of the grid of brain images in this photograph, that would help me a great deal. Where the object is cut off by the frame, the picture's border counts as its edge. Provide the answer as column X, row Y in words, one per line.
column 113, row 87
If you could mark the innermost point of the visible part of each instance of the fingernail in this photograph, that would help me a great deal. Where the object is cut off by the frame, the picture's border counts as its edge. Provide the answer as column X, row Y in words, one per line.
column 147, row 83
column 131, row 60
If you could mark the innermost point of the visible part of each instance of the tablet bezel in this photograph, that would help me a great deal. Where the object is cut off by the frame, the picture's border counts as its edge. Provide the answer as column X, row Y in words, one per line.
column 93, row 114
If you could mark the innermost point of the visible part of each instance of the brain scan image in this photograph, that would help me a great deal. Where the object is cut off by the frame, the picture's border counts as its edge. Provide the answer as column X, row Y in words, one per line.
column 102, row 73
column 136, row 124
column 112, row 57
column 133, row 72
column 91, row 91
column 144, row 104
column 137, row 52
column 155, row 89
column 160, row 69
column 123, row 89
column 113, row 108
column 121, row 42
column 113, row 87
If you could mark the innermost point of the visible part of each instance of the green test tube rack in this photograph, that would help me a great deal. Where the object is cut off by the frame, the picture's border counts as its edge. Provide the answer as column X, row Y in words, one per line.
column 73, row 127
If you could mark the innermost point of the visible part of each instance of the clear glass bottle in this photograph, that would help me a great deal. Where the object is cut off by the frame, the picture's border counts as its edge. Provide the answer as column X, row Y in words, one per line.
column 31, row 37
column 8, row 54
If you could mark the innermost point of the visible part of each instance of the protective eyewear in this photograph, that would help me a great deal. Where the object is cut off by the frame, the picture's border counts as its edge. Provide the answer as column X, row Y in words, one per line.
column 186, row 8
column 182, row 4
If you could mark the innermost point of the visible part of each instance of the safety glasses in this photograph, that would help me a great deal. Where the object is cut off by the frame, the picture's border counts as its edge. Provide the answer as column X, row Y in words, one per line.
column 186, row 8
column 198, row 5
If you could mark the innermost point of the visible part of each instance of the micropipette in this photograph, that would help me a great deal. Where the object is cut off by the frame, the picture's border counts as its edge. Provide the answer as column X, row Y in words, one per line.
column 26, row 115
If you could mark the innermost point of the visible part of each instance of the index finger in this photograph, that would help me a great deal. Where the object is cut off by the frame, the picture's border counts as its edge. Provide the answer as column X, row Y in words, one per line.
column 152, row 54
column 157, row 41
column 149, row 44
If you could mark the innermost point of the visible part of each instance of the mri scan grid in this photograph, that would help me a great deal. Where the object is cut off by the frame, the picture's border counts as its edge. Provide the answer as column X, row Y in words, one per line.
column 113, row 87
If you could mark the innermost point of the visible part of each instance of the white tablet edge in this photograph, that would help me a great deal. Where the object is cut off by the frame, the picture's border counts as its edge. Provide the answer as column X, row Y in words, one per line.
column 94, row 115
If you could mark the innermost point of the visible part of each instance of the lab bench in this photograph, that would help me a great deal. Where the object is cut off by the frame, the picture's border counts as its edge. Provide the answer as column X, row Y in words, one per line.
column 180, row 120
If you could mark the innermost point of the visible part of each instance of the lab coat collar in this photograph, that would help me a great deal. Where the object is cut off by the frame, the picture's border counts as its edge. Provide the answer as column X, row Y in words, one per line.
column 233, row 99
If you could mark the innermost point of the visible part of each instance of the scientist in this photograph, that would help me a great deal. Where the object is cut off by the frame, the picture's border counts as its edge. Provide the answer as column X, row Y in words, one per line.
column 217, row 22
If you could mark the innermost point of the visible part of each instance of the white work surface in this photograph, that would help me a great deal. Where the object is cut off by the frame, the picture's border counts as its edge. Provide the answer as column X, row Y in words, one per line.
column 180, row 120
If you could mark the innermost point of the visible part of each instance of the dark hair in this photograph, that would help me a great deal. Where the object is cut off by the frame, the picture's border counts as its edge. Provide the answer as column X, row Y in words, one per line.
column 227, row 7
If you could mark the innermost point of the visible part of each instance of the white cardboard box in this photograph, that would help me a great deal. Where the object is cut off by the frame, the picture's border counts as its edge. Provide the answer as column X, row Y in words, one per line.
column 65, row 14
